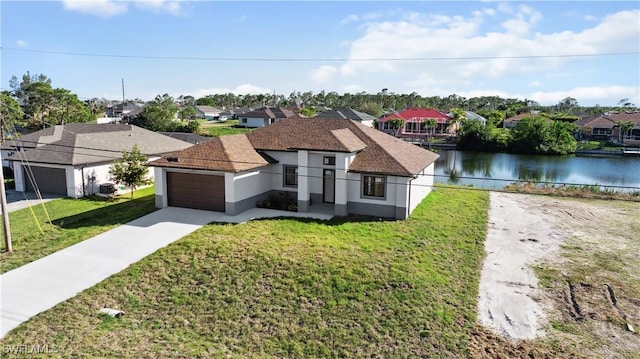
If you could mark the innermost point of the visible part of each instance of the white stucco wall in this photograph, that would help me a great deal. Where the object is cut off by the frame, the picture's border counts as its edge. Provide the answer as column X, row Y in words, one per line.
column 254, row 122
column 240, row 186
column 421, row 187
column 355, row 188
column 275, row 170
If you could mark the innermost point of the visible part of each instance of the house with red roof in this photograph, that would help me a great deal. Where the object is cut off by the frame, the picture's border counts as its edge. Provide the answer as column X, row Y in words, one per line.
column 315, row 163
column 413, row 119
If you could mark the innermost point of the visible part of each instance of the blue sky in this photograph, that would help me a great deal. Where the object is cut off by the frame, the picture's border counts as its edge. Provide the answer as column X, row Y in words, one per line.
column 466, row 48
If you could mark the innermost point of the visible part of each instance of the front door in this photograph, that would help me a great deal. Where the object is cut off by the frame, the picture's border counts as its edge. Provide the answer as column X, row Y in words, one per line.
column 329, row 186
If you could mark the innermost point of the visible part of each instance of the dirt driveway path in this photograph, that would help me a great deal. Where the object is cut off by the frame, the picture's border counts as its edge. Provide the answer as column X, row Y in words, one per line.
column 586, row 254
column 520, row 232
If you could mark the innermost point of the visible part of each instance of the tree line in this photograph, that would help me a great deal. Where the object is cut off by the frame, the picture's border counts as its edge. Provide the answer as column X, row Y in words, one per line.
column 33, row 102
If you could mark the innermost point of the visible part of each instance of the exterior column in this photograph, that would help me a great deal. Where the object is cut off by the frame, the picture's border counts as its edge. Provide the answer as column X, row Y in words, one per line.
column 342, row 163
column 303, row 181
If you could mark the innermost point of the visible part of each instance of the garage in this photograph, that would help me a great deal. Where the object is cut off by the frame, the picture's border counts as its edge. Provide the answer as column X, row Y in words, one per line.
column 49, row 180
column 195, row 191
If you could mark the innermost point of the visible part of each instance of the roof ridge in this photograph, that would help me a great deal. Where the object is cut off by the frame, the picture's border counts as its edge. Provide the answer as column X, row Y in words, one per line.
column 384, row 149
column 224, row 149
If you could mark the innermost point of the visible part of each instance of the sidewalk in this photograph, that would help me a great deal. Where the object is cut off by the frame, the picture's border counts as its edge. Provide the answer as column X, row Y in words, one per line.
column 40, row 285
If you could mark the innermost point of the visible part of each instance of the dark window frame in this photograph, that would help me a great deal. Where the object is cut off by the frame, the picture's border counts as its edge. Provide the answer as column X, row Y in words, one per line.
column 370, row 189
column 289, row 179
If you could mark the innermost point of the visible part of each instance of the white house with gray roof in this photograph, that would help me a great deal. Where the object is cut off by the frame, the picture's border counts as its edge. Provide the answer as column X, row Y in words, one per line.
column 349, row 114
column 73, row 160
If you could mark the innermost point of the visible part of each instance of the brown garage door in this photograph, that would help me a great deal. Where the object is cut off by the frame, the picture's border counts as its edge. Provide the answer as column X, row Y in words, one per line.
column 195, row 191
column 49, row 180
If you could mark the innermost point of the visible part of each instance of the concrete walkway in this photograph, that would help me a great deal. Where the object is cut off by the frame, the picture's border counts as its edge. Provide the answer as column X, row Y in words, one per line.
column 19, row 200
column 40, row 285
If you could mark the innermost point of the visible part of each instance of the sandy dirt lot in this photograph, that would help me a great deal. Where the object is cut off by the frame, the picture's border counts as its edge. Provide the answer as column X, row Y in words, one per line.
column 588, row 253
column 520, row 232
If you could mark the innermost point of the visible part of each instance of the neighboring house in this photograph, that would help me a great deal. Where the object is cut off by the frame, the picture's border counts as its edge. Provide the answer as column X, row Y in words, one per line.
column 263, row 116
column 349, row 114
column 121, row 109
column 210, row 113
column 511, row 122
column 472, row 116
column 605, row 127
column 192, row 138
column 413, row 119
column 73, row 160
column 340, row 163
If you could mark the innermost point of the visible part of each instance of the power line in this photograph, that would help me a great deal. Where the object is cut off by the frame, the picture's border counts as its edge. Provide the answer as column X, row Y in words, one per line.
column 510, row 180
column 303, row 59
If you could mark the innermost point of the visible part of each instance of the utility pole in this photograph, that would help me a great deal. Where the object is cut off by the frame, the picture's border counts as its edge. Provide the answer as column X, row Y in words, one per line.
column 123, row 90
column 5, row 213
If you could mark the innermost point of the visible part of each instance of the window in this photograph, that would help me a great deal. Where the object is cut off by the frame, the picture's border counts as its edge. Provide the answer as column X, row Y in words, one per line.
column 290, row 176
column 329, row 161
column 373, row 186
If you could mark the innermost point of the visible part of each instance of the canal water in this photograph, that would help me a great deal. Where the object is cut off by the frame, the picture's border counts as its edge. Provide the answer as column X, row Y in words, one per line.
column 496, row 170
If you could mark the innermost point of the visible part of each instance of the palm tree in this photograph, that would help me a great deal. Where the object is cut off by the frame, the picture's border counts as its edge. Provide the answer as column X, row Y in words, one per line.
column 459, row 116
column 625, row 128
column 430, row 125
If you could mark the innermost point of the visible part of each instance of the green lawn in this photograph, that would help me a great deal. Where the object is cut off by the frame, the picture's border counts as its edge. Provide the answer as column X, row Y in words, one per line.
column 290, row 288
column 73, row 220
column 223, row 128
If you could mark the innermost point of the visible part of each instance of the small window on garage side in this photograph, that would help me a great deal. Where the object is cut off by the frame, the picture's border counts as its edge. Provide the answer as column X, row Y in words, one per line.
column 329, row 160
column 290, row 176
column 373, row 186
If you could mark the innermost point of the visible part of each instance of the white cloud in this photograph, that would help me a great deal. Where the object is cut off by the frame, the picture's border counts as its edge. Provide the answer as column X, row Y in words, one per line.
column 104, row 8
column 323, row 74
column 238, row 90
column 22, row 43
column 534, row 84
column 353, row 88
column 239, row 18
column 590, row 18
column 169, row 6
column 107, row 8
column 609, row 94
column 366, row 17
column 460, row 39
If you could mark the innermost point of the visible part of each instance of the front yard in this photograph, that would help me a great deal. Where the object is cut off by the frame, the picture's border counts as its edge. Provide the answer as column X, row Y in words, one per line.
column 289, row 288
column 73, row 220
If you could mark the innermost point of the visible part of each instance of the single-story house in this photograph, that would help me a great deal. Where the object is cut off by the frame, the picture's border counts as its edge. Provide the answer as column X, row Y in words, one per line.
column 471, row 116
column 413, row 119
column 605, row 127
column 263, row 116
column 512, row 121
column 318, row 163
column 73, row 159
column 210, row 113
column 192, row 138
column 349, row 114
column 121, row 109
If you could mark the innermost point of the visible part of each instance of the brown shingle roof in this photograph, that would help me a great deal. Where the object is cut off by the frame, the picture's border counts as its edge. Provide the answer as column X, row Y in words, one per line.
column 232, row 153
column 609, row 120
column 377, row 152
column 383, row 153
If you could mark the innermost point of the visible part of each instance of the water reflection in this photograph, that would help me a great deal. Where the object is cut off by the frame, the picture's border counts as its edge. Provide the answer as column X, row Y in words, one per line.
column 495, row 170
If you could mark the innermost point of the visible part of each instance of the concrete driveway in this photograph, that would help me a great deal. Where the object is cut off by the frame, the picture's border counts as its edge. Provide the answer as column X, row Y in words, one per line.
column 19, row 200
